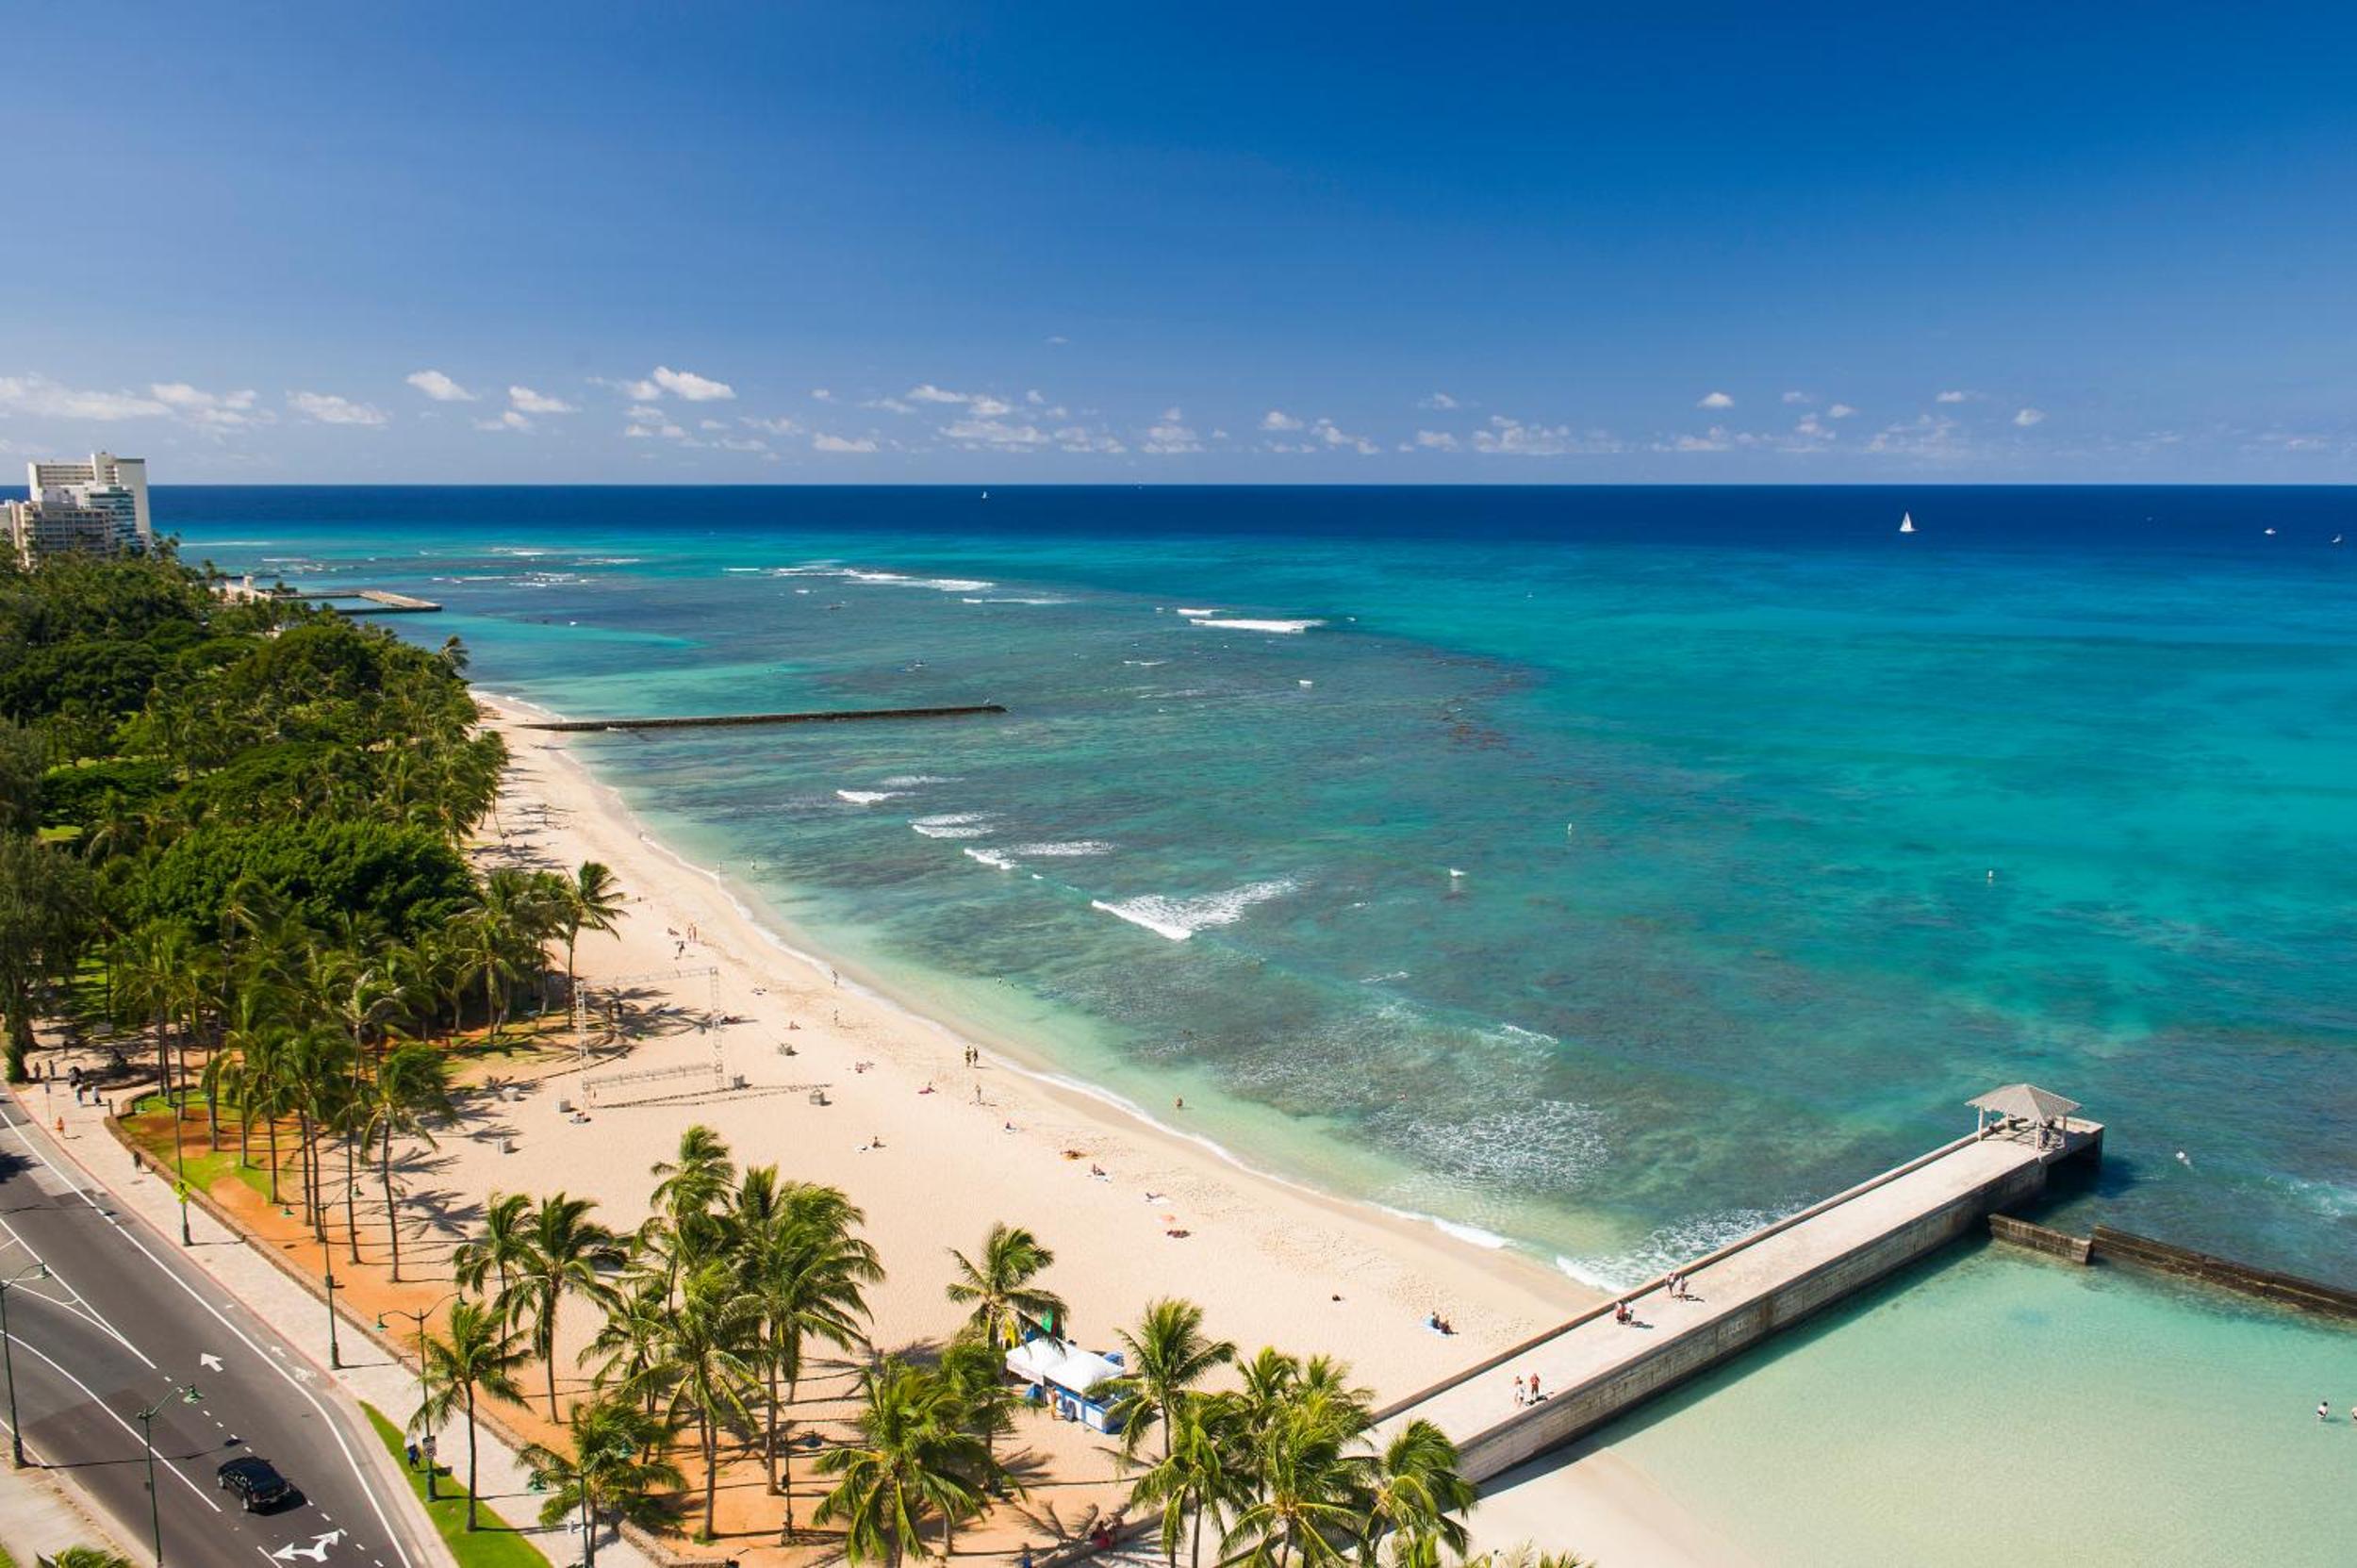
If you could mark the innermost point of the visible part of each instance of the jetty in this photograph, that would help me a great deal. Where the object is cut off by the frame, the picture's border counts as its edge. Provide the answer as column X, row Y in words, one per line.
column 1597, row 1367
column 343, row 601
column 689, row 721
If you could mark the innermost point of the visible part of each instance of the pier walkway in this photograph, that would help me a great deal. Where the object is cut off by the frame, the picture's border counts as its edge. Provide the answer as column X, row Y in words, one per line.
column 1595, row 1368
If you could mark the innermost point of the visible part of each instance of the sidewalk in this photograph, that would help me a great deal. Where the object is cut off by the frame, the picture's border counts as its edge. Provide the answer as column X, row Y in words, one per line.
column 41, row 1514
column 370, row 1374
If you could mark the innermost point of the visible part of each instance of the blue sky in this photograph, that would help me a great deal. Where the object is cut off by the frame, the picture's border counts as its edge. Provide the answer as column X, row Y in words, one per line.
column 1045, row 242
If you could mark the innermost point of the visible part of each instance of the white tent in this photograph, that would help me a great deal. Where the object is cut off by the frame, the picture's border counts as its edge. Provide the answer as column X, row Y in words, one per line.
column 1035, row 1359
column 1080, row 1371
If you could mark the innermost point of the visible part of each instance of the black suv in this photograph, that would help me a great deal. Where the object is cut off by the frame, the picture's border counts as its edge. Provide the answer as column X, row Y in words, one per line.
column 257, row 1483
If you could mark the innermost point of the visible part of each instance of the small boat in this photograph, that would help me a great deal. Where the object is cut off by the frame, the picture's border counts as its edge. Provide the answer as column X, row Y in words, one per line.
column 2270, row 532
column 1907, row 522
column 985, row 495
column 2336, row 539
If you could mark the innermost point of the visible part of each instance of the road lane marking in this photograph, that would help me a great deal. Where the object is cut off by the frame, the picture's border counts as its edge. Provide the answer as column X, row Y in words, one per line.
column 201, row 1495
column 334, row 1427
column 79, row 1304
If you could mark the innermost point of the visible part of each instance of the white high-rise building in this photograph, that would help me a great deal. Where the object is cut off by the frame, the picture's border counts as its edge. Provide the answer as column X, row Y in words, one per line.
column 100, row 505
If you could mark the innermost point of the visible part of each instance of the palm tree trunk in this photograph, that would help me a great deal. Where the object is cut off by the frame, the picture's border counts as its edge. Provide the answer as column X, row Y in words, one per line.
column 270, row 1128
column 548, row 1350
column 712, row 1472
column 1195, row 1547
column 773, row 1436
column 212, row 1115
column 392, row 1215
column 245, row 1130
column 352, row 1196
column 470, row 1457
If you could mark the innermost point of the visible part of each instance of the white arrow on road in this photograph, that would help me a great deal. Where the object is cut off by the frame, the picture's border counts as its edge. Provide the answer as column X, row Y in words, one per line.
column 209, row 1362
column 316, row 1551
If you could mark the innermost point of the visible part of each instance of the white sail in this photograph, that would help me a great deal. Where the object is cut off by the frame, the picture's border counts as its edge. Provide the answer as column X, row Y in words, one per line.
column 1907, row 522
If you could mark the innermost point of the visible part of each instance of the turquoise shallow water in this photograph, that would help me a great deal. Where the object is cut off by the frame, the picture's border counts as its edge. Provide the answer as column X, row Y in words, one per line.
column 1994, row 1408
column 1602, row 873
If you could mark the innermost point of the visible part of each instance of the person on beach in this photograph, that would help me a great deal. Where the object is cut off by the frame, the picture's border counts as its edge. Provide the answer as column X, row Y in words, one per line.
column 1520, row 1397
column 1535, row 1395
column 2324, row 1410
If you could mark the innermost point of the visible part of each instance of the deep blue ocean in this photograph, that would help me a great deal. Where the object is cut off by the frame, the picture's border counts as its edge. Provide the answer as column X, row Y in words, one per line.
column 1599, row 870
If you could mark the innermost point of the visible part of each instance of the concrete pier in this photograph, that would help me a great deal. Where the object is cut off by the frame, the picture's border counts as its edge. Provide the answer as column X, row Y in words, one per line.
column 1594, row 1368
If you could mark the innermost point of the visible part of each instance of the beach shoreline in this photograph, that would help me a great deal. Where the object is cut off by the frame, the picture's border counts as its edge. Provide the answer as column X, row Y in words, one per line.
column 1136, row 1208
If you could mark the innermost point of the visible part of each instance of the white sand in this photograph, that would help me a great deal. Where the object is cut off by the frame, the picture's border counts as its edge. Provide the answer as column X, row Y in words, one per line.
column 1271, row 1262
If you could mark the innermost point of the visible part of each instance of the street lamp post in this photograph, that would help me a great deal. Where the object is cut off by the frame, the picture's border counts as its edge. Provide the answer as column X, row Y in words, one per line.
column 186, row 1395
column 328, row 1280
column 418, row 1318
column 8, row 1357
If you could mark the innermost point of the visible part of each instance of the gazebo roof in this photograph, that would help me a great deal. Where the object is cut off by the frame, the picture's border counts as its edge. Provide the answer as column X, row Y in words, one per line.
column 2025, row 1099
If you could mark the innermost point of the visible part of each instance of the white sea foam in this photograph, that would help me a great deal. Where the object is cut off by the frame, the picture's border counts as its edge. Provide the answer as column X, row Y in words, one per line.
column 954, row 824
column 1669, row 1247
column 1487, row 1240
column 914, row 780
column 996, row 859
column 1179, row 919
column 1144, row 663
column 1243, row 625
column 971, row 601
column 1181, row 609
column 1067, row 849
column 740, row 568
column 959, row 584
column 868, row 797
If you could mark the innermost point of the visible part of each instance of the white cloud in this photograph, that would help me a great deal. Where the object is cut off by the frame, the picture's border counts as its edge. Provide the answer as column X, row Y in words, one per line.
column 824, row 442
column 1436, row 440
column 996, row 434
column 891, row 405
column 691, row 386
column 1035, row 397
column 214, row 411
column 1840, row 410
column 647, row 423
column 1277, row 419
column 327, row 408
column 1933, row 437
column 38, row 395
column 1513, row 439
column 638, row 391
column 1815, row 429
column 1714, row 439
column 1956, row 397
column 928, row 392
column 712, row 424
column 511, row 419
column 779, row 426
column 1058, row 342
column 822, row 394
column 530, row 402
column 1171, row 436
column 642, row 412
column 1073, row 437
column 1798, row 397
column 441, row 388
column 1334, row 437
column 1440, row 401
column 1715, row 400
column 2029, row 417
column 989, row 407
column 742, row 443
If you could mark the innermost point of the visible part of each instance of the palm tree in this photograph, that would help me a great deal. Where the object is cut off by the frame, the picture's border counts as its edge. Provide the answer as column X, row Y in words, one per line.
column 628, row 1348
column 1526, row 1556
column 1310, row 1495
column 1200, row 1473
column 409, row 1089
column 975, row 1372
column 999, row 1288
column 1167, row 1355
column 501, row 1250
column 1419, row 1498
column 613, row 1462
column 688, row 1185
column 910, row 1461
column 712, row 1355
column 89, row 1557
column 592, row 902
column 566, row 1251
column 806, row 1271
column 476, row 1354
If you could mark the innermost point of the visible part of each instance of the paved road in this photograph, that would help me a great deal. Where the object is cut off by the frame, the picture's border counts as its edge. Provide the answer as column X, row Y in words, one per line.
column 123, row 1320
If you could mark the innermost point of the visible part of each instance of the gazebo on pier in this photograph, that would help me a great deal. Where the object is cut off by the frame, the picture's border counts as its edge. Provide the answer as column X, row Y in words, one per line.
column 2020, row 1108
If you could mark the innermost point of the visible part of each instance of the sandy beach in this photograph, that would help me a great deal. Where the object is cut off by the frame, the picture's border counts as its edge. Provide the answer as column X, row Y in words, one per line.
column 936, row 1150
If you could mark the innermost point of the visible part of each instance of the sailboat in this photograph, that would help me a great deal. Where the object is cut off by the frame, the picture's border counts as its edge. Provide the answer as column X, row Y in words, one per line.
column 1907, row 522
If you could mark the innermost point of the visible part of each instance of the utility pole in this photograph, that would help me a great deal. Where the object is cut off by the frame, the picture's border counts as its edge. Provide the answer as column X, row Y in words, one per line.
column 7, row 1356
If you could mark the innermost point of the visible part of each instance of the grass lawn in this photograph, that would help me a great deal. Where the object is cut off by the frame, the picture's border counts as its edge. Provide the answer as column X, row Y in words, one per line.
column 494, row 1544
